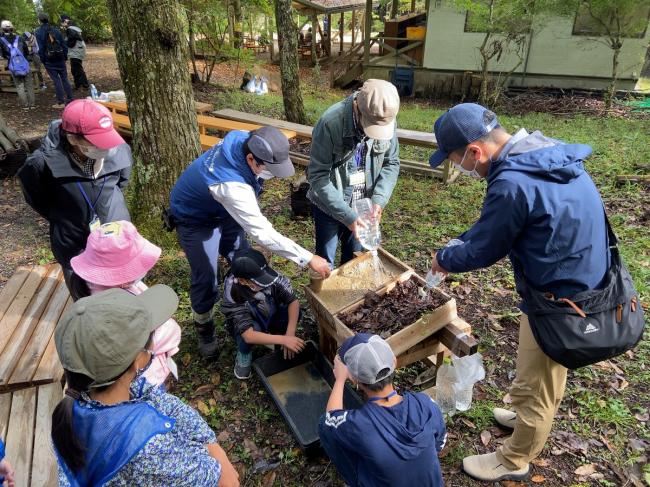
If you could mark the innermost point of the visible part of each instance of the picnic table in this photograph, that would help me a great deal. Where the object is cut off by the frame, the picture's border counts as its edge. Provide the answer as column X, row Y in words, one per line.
column 119, row 107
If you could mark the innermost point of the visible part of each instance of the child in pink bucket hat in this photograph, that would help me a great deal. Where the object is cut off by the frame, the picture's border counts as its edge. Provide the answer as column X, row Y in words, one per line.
column 116, row 255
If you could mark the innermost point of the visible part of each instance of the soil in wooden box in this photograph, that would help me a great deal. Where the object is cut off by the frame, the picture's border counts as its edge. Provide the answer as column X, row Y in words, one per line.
column 387, row 314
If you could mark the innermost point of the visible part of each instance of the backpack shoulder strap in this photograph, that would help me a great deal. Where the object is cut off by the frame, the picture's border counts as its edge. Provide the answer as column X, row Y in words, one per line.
column 612, row 240
column 5, row 42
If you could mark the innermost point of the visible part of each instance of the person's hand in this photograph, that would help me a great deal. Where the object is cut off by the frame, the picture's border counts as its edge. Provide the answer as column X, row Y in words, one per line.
column 229, row 476
column 435, row 267
column 340, row 369
column 292, row 345
column 320, row 265
column 357, row 225
column 377, row 211
column 7, row 472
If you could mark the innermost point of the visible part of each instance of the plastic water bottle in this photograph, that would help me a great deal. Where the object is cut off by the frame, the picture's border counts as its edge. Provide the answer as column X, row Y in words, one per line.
column 445, row 395
column 433, row 279
column 370, row 235
column 93, row 92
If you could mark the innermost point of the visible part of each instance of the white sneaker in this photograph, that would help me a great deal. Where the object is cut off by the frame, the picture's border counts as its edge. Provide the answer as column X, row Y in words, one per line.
column 505, row 417
column 489, row 469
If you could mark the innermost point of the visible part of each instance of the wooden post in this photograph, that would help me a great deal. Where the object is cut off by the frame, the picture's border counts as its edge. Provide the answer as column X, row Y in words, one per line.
column 328, row 32
column 367, row 32
column 354, row 27
column 412, row 6
column 341, row 32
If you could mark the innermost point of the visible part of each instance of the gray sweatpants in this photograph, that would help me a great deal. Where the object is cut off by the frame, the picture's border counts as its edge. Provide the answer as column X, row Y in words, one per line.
column 25, row 88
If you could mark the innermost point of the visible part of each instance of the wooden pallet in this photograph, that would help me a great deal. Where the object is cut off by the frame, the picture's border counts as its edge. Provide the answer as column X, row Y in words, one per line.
column 31, row 304
column 25, row 427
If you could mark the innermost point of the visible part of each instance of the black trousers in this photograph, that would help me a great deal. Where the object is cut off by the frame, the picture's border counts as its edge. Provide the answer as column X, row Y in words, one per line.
column 78, row 73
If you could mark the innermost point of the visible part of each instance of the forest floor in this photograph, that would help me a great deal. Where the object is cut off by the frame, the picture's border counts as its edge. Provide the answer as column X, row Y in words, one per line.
column 602, row 432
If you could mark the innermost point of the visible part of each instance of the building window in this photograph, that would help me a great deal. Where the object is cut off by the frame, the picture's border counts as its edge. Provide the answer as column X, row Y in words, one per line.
column 477, row 21
column 585, row 25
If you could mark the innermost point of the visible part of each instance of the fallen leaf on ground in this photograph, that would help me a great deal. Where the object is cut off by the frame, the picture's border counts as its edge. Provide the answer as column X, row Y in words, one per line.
column 468, row 423
column 269, row 479
column 486, row 436
column 203, row 408
column 223, row 436
column 512, row 483
column 538, row 479
column 215, row 379
column 643, row 417
column 585, row 470
column 187, row 358
column 204, row 389
column 541, row 462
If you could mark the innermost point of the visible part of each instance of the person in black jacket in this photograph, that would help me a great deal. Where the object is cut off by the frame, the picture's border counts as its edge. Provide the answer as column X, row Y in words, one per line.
column 75, row 180
column 76, row 51
column 260, row 308
column 53, row 52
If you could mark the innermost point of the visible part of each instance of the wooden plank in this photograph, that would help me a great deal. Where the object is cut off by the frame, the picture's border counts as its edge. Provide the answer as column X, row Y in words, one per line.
column 20, row 434
column 226, row 125
column 50, row 367
column 420, row 351
column 208, row 141
column 25, row 328
column 122, row 107
column 12, row 287
column 457, row 341
column 633, row 178
column 5, row 409
column 19, row 304
column 44, row 468
column 26, row 368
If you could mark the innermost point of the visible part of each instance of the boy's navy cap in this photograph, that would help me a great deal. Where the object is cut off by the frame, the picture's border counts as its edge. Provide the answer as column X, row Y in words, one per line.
column 368, row 357
column 251, row 264
column 271, row 146
column 459, row 126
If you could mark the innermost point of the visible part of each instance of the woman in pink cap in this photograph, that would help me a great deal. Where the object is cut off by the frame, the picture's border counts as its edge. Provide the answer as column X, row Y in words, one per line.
column 117, row 255
column 76, row 178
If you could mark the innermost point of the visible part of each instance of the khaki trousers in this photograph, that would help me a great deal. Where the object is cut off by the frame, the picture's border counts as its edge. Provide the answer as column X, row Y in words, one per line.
column 536, row 394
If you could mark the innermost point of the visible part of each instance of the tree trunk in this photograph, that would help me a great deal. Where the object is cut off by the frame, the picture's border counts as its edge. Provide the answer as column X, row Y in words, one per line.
column 238, row 28
column 394, row 9
column 231, row 25
column 611, row 90
column 152, row 54
column 294, row 109
column 314, row 36
column 190, row 22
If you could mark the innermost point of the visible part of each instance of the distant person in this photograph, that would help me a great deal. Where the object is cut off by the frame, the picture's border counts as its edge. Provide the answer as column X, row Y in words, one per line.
column 393, row 440
column 355, row 155
column 76, row 52
column 114, row 427
column 14, row 49
column 214, row 205
column 34, row 58
column 117, row 256
column 54, row 53
column 260, row 308
column 76, row 178
column 6, row 470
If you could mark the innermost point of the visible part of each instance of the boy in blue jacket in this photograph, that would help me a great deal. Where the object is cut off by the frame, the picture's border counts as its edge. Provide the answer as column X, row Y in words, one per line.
column 542, row 210
column 392, row 440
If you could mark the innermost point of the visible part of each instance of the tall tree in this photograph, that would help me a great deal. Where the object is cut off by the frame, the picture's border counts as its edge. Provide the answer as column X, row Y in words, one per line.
column 294, row 108
column 614, row 21
column 239, row 25
column 152, row 53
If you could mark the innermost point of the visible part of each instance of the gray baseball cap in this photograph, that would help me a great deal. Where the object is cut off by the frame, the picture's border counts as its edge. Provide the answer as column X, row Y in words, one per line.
column 101, row 335
column 271, row 146
column 368, row 357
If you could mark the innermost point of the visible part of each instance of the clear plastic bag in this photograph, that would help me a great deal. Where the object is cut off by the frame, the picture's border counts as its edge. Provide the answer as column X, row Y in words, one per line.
column 469, row 370
column 445, row 394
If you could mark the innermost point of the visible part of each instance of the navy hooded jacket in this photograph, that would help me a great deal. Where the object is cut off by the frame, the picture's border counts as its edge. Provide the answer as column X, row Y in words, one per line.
column 544, row 211
column 377, row 446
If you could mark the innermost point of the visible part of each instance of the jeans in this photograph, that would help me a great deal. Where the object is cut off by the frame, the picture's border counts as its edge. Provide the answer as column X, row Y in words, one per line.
column 328, row 233
column 276, row 326
column 202, row 246
column 78, row 73
column 25, row 89
column 340, row 458
column 59, row 75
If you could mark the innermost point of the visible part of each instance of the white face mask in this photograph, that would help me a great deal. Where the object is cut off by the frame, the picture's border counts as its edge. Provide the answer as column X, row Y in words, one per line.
column 472, row 173
column 265, row 174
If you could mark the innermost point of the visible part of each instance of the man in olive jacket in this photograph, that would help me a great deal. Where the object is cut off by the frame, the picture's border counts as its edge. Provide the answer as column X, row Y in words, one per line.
column 354, row 155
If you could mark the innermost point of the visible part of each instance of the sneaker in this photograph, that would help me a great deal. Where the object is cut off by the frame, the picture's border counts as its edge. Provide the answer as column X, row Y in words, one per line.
column 505, row 417
column 208, row 347
column 43, row 87
column 488, row 468
column 243, row 363
column 58, row 105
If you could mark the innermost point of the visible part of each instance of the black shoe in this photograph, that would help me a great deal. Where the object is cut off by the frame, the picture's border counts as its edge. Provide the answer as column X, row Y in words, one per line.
column 208, row 347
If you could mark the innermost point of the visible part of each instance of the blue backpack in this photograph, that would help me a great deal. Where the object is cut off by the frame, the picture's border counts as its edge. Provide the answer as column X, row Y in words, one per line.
column 18, row 65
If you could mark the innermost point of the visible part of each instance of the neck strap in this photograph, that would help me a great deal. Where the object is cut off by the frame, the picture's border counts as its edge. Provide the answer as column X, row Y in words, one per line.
column 384, row 398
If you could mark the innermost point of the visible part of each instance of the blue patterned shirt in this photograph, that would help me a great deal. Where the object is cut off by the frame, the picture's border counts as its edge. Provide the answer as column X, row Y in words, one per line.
column 178, row 458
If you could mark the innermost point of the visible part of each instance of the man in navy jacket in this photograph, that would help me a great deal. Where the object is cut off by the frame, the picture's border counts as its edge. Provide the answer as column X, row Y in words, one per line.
column 53, row 52
column 542, row 210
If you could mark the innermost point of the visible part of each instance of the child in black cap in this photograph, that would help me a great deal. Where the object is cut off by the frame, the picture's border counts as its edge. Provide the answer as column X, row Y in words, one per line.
column 260, row 309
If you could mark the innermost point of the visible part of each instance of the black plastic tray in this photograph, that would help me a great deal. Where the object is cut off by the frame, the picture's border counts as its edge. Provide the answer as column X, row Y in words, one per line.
column 301, row 395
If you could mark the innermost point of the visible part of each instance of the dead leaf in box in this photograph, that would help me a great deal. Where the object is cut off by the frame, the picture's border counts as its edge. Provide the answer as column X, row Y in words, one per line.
column 486, row 436
column 541, row 462
column 468, row 423
column 203, row 408
column 507, row 399
column 538, row 479
column 187, row 358
column 204, row 389
column 585, row 470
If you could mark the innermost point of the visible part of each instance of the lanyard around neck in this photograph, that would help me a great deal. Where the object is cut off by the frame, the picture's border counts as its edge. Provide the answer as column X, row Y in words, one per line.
column 385, row 398
column 83, row 193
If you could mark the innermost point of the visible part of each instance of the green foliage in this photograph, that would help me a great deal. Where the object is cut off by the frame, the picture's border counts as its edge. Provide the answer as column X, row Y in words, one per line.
column 89, row 15
column 20, row 12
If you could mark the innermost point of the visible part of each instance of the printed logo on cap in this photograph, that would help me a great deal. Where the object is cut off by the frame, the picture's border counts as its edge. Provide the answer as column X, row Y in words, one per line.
column 105, row 122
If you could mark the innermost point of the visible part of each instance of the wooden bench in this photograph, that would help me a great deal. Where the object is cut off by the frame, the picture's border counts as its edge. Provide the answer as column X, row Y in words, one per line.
column 122, row 108
column 226, row 125
column 405, row 137
column 25, row 427
column 31, row 304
